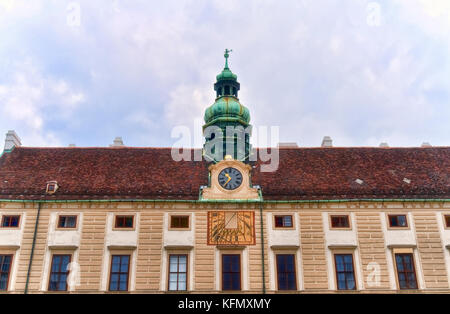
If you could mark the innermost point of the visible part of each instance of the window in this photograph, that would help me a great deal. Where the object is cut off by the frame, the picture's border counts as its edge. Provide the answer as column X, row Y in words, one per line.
column 341, row 221
column 286, row 272
column 67, row 222
column 10, row 221
column 179, row 222
column 120, row 269
column 447, row 221
column 231, row 272
column 52, row 187
column 59, row 273
column 5, row 268
column 124, row 221
column 345, row 275
column 227, row 90
column 405, row 271
column 284, row 221
column 177, row 272
column 398, row 221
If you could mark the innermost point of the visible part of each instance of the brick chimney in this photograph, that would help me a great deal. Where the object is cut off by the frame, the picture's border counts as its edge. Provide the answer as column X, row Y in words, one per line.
column 327, row 142
column 12, row 140
column 118, row 142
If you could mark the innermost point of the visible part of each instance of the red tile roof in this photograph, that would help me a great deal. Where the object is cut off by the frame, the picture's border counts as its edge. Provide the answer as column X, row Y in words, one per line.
column 151, row 173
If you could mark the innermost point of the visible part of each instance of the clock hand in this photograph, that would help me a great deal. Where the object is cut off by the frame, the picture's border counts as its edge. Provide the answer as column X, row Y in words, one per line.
column 229, row 178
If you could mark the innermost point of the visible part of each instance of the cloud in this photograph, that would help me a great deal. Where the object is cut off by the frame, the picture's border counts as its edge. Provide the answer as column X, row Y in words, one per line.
column 314, row 68
column 28, row 99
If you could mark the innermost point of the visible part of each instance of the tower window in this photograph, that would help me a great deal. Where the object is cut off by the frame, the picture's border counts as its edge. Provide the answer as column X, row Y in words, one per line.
column 235, row 91
column 227, row 90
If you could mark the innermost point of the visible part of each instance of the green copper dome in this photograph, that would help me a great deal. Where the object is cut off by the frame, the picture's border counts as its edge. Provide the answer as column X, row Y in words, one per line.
column 227, row 109
column 226, row 75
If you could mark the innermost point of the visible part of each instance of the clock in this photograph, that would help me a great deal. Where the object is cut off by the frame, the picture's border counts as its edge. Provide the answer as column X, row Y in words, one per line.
column 230, row 178
column 231, row 228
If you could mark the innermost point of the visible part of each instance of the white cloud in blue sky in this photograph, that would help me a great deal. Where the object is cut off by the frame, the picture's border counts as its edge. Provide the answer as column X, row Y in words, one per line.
column 136, row 69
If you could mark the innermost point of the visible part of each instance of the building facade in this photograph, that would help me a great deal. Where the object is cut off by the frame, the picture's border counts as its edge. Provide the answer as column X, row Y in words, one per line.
column 134, row 220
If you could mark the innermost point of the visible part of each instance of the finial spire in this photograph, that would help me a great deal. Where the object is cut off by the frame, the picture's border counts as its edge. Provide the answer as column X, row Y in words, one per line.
column 227, row 55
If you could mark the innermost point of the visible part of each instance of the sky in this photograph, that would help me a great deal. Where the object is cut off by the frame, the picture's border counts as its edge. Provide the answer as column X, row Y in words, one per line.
column 362, row 72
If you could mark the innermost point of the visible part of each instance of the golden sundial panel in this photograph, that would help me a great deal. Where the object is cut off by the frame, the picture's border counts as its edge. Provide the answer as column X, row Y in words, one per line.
column 231, row 228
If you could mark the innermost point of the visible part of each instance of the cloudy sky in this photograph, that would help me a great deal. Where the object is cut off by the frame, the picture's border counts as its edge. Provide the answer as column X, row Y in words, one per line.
column 362, row 72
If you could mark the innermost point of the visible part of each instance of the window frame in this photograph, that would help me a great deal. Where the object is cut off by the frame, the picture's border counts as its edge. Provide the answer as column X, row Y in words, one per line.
column 414, row 269
column 444, row 218
column 282, row 227
column 170, row 227
column 58, row 227
column 9, row 270
column 119, row 273
column 349, row 221
column 222, row 270
column 59, row 272
column 390, row 227
column 295, row 271
column 11, row 215
column 178, row 266
column 118, row 228
column 353, row 271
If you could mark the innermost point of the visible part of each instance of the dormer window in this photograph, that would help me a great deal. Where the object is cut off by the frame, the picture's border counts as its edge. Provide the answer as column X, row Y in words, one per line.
column 52, row 187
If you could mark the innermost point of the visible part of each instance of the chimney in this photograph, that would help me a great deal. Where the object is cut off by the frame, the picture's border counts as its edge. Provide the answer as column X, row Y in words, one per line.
column 118, row 142
column 327, row 142
column 384, row 145
column 12, row 140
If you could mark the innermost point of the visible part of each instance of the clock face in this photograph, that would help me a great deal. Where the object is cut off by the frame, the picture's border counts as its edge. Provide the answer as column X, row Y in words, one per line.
column 231, row 228
column 230, row 178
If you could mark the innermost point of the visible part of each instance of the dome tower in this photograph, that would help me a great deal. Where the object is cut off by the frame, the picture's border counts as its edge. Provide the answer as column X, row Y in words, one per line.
column 227, row 128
